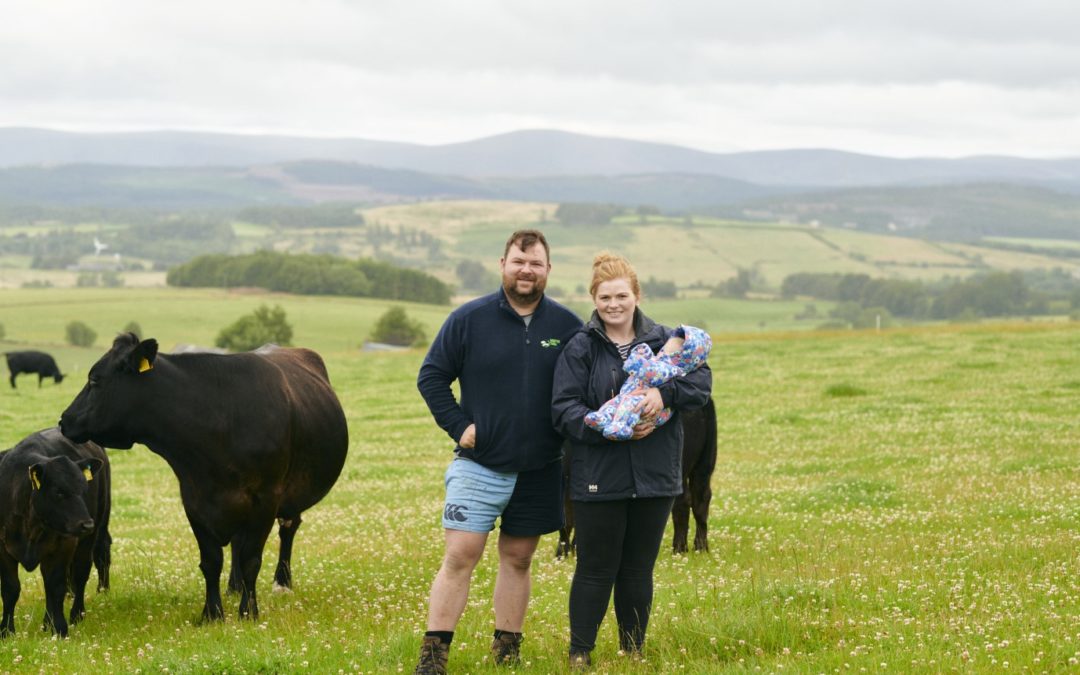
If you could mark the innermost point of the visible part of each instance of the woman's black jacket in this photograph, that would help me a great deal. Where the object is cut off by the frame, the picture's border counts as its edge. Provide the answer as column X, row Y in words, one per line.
column 589, row 373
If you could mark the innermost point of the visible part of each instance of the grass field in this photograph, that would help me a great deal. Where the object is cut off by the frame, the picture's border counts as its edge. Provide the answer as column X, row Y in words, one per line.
column 903, row 501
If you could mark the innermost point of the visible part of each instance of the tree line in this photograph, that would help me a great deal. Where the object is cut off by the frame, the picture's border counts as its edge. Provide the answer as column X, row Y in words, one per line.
column 984, row 295
column 310, row 274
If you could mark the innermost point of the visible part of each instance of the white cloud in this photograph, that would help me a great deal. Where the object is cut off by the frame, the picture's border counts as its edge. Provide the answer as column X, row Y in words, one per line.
column 901, row 78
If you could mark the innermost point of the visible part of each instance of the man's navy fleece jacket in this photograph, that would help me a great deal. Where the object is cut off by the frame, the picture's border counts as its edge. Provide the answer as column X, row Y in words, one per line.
column 505, row 370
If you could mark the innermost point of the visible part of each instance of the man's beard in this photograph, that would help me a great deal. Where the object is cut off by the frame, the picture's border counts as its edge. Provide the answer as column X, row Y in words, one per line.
column 510, row 288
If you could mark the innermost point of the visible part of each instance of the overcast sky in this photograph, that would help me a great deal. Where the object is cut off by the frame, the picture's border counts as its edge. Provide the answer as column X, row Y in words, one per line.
column 900, row 78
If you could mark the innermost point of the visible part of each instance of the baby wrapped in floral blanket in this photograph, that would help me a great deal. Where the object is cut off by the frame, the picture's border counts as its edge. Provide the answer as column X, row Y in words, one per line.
column 684, row 352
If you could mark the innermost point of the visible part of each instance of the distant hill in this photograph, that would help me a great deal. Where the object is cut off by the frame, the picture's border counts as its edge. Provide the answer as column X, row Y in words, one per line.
column 942, row 212
column 522, row 154
column 321, row 181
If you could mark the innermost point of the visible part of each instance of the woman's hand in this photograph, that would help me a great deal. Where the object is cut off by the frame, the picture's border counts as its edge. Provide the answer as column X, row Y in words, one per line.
column 651, row 404
column 643, row 428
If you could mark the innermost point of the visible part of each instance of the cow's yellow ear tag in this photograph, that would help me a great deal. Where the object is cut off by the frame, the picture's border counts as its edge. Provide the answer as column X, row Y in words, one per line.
column 144, row 366
column 89, row 476
column 34, row 480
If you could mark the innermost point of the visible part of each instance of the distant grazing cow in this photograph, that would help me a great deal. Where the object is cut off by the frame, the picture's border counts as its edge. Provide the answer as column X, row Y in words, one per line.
column 54, row 512
column 699, row 460
column 33, row 362
column 251, row 437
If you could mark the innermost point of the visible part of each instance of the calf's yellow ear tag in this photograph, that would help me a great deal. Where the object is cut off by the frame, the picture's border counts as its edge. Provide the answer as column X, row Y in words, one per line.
column 144, row 366
column 34, row 480
column 89, row 476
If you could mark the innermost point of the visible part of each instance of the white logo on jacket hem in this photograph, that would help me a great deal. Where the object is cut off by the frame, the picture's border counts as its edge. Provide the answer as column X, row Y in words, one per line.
column 594, row 488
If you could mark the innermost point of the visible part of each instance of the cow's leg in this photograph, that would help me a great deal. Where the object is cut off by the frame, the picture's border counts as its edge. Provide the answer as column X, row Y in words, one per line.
column 680, row 519
column 287, row 528
column 9, row 589
column 80, row 573
column 40, row 377
column 235, row 581
column 248, row 547
column 54, row 574
column 103, row 558
column 565, row 546
column 700, row 496
column 12, row 379
column 211, row 560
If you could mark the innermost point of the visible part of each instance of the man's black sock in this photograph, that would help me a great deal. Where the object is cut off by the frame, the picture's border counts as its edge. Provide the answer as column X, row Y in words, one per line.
column 445, row 636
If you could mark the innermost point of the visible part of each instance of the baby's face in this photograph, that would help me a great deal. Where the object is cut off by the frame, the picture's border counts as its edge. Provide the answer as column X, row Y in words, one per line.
column 673, row 345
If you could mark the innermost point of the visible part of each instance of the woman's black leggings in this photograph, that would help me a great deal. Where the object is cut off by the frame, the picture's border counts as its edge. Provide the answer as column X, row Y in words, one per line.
column 617, row 545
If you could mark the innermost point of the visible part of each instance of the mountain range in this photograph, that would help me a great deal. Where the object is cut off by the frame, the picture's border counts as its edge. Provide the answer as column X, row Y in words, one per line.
column 957, row 199
column 526, row 154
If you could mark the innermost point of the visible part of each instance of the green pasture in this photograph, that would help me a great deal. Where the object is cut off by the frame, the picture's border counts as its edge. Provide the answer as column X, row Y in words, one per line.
column 1046, row 244
column 903, row 501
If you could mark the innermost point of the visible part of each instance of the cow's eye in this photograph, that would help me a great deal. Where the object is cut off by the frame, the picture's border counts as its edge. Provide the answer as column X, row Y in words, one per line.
column 60, row 494
column 92, row 382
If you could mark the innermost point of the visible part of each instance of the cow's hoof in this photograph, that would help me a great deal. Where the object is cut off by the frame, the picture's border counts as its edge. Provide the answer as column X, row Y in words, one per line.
column 211, row 615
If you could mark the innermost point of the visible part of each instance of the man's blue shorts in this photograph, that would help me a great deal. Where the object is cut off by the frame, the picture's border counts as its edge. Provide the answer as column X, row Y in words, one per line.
column 529, row 503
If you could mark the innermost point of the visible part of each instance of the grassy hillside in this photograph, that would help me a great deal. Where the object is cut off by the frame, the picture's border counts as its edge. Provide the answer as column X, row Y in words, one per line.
column 689, row 251
column 707, row 250
column 902, row 501
column 949, row 212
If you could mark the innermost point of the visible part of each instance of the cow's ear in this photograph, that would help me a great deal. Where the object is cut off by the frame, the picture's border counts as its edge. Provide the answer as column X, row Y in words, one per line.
column 90, row 467
column 142, row 357
column 37, row 472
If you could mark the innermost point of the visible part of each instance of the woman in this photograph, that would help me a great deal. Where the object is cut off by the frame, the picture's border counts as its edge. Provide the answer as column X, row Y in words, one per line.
column 622, row 490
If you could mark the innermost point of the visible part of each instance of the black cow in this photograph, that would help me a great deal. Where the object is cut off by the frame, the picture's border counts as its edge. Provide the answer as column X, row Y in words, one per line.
column 54, row 512
column 699, row 460
column 33, row 362
column 251, row 437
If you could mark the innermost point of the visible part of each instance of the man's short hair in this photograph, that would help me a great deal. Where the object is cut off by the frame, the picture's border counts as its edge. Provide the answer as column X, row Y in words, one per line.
column 526, row 239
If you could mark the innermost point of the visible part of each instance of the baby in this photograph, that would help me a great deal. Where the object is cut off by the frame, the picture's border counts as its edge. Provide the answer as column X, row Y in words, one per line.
column 684, row 352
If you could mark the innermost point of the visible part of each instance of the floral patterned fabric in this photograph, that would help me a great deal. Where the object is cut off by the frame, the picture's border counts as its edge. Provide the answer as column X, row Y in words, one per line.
column 684, row 352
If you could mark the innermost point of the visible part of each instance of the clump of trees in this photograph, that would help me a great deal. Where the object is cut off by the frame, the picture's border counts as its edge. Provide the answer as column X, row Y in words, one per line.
column 861, row 297
column 659, row 288
column 251, row 331
column 737, row 286
column 79, row 334
column 395, row 327
column 580, row 213
column 311, row 275
column 474, row 277
column 330, row 215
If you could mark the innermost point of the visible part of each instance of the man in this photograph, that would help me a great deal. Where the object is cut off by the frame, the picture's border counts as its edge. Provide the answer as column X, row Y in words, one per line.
column 502, row 349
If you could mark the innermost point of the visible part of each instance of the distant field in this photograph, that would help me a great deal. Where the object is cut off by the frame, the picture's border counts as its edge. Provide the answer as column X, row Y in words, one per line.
column 1012, row 260
column 1037, row 243
column 15, row 277
column 894, row 502
column 688, row 251
column 890, row 250
column 38, row 317
column 195, row 316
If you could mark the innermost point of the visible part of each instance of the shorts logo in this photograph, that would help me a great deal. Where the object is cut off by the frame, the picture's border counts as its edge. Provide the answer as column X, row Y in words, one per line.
column 594, row 488
column 455, row 512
